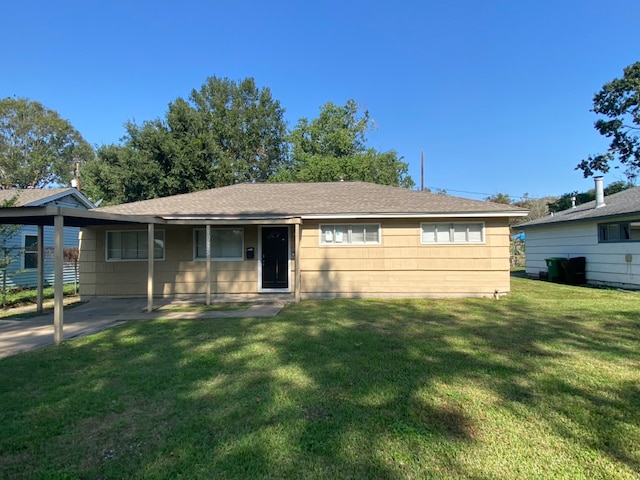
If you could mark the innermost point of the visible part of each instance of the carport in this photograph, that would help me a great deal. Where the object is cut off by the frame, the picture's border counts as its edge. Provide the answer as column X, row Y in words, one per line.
column 58, row 218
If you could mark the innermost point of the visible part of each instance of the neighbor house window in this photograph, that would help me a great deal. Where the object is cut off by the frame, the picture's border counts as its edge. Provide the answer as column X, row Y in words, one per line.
column 130, row 245
column 447, row 232
column 356, row 234
column 30, row 251
column 619, row 232
column 226, row 244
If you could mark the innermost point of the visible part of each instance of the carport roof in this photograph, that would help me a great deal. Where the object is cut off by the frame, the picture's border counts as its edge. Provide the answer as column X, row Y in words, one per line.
column 73, row 217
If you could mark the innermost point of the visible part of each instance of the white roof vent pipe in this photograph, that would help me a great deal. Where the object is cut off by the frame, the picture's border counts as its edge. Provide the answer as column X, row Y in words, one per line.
column 573, row 201
column 599, row 192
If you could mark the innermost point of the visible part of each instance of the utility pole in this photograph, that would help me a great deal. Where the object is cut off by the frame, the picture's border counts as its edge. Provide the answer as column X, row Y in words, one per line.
column 422, row 173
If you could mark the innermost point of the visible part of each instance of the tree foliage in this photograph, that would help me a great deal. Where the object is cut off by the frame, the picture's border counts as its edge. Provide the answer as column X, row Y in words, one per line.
column 226, row 132
column 37, row 146
column 121, row 174
column 503, row 198
column 538, row 207
column 619, row 102
column 333, row 147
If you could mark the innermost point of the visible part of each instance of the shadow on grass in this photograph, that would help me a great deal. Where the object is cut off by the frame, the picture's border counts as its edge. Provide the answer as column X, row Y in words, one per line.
column 337, row 389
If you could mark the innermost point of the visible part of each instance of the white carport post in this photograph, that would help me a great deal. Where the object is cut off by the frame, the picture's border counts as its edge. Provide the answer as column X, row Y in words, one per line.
column 58, row 281
column 208, row 254
column 150, row 259
column 296, row 255
column 40, row 268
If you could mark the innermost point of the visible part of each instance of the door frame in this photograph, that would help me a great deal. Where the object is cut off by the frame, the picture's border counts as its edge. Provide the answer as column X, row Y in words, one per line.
column 274, row 290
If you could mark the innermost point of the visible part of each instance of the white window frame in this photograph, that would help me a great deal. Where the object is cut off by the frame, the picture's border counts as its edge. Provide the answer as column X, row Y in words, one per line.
column 217, row 259
column 624, row 226
column 451, row 228
column 23, row 251
column 348, row 241
column 145, row 232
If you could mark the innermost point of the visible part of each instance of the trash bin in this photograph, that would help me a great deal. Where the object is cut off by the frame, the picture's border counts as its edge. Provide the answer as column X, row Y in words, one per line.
column 575, row 271
column 554, row 267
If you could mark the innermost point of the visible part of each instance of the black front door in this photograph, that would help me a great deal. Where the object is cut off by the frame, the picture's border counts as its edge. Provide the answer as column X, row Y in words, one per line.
column 275, row 257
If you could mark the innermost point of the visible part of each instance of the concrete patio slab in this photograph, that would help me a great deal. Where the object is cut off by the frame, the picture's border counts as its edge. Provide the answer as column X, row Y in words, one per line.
column 18, row 336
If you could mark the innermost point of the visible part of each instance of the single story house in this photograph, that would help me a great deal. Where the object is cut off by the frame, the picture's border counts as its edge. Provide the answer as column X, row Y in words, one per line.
column 606, row 232
column 303, row 240
column 22, row 245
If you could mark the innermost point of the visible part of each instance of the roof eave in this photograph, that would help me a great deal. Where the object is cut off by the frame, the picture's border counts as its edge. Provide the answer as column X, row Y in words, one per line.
column 229, row 220
column 326, row 216
column 579, row 220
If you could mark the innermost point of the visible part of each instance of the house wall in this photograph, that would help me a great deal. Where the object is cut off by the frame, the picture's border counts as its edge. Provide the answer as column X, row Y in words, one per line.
column 67, row 201
column 399, row 267
column 402, row 267
column 178, row 274
column 19, row 277
column 606, row 263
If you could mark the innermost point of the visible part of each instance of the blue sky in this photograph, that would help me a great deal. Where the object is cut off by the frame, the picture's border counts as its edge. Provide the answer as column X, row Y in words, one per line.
column 496, row 93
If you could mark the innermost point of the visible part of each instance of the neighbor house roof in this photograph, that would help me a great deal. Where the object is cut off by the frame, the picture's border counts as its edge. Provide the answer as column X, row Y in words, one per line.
column 622, row 203
column 35, row 197
column 311, row 200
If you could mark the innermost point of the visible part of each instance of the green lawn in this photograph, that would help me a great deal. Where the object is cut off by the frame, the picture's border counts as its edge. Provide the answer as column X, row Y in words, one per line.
column 544, row 383
column 29, row 296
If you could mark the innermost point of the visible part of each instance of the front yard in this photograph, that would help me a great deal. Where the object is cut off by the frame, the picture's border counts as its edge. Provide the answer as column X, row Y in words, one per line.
column 544, row 383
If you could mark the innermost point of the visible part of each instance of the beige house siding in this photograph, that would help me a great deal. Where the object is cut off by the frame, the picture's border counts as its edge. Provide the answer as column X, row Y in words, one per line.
column 402, row 267
column 177, row 274
column 399, row 267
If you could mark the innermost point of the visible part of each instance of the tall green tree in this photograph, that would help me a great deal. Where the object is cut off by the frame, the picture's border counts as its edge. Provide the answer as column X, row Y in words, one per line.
column 619, row 102
column 37, row 146
column 333, row 147
column 121, row 174
column 226, row 132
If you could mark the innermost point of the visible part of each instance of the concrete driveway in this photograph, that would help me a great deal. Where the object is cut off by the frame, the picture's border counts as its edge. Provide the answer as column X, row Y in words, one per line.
column 18, row 336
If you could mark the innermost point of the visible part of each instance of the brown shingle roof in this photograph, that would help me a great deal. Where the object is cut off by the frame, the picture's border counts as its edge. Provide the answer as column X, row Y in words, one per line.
column 308, row 199
column 622, row 203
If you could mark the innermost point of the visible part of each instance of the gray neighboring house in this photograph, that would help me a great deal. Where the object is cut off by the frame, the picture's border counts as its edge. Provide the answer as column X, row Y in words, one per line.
column 605, row 231
column 23, row 270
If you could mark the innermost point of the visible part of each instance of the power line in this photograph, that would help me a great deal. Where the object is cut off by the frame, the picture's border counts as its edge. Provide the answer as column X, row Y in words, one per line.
column 521, row 197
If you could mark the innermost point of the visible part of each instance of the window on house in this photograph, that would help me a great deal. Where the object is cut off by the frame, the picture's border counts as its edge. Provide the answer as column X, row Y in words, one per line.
column 30, row 251
column 356, row 234
column 130, row 245
column 446, row 232
column 619, row 232
column 226, row 244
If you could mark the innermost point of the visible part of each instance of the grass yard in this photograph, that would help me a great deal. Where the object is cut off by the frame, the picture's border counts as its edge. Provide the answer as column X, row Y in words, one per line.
column 544, row 383
column 29, row 296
